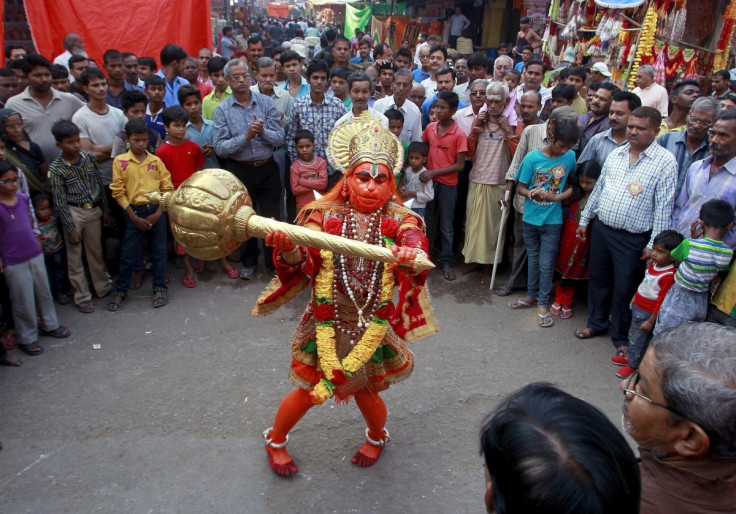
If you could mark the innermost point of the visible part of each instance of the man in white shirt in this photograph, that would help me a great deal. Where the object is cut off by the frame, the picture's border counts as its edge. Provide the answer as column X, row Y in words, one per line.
column 73, row 45
column 651, row 93
column 360, row 89
column 412, row 130
column 98, row 122
column 458, row 23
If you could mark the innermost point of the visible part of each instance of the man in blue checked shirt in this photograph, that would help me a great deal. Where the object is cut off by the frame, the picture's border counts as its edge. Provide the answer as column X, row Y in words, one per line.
column 246, row 133
column 632, row 201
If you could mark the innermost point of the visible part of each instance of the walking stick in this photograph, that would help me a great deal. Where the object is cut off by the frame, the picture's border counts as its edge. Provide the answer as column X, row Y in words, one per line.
column 501, row 231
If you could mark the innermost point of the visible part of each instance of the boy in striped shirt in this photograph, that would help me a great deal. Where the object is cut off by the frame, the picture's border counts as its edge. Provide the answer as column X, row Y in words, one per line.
column 701, row 259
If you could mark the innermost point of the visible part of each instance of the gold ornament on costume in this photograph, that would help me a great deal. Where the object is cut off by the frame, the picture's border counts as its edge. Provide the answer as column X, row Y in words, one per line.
column 364, row 139
column 211, row 214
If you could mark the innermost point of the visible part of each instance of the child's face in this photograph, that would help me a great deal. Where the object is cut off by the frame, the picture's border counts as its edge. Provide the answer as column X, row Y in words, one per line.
column 219, row 80
column 193, row 107
column 511, row 80
column 70, row 147
column 138, row 143
column 156, row 93
column 587, row 184
column 137, row 111
column 305, row 150
column 9, row 183
column 661, row 255
column 395, row 127
column 339, row 86
column 433, row 114
column 559, row 148
column 444, row 112
column 177, row 130
column 417, row 161
column 14, row 127
column 43, row 210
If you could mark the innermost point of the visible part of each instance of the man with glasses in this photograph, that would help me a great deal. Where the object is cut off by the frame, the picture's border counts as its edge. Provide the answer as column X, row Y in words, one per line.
column 713, row 178
column 691, row 145
column 437, row 61
column 679, row 408
column 423, row 72
column 247, row 131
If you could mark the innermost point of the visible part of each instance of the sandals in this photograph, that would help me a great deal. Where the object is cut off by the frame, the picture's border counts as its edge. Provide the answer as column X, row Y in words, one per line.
column 189, row 281
column 9, row 339
column 503, row 291
column 555, row 309
column 232, row 272
column 59, row 332
column 520, row 304
column 448, row 274
column 62, row 298
column 160, row 298
column 566, row 313
column 545, row 320
column 31, row 349
column 86, row 307
column 118, row 302
column 585, row 333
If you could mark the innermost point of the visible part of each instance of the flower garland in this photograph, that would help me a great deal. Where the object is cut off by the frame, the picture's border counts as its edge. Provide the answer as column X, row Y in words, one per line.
column 336, row 373
column 645, row 45
column 724, row 42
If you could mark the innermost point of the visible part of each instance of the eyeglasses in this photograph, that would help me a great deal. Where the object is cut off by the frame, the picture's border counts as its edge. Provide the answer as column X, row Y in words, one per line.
column 700, row 123
column 635, row 379
column 477, row 93
column 9, row 181
column 423, row 56
column 240, row 76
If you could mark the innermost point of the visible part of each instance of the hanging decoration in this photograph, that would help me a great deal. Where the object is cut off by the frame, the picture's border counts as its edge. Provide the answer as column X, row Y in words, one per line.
column 645, row 45
column 720, row 62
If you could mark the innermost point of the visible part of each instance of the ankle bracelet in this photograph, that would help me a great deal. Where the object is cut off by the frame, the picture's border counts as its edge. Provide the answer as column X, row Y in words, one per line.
column 271, row 444
column 380, row 442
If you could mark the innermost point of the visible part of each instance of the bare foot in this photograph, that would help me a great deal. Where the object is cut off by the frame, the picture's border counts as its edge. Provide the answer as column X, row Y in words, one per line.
column 9, row 360
column 280, row 461
column 485, row 278
column 367, row 455
column 470, row 268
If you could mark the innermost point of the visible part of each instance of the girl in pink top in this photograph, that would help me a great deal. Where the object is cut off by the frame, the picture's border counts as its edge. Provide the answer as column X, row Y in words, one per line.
column 309, row 173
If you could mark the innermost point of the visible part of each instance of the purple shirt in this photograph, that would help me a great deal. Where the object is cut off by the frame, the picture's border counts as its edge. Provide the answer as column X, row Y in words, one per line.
column 17, row 242
column 698, row 188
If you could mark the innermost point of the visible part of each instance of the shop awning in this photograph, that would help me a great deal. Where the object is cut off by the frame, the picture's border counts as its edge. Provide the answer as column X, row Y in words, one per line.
column 619, row 4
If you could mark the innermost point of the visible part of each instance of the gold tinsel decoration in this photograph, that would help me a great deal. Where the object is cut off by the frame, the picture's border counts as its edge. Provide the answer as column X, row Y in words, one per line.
column 645, row 45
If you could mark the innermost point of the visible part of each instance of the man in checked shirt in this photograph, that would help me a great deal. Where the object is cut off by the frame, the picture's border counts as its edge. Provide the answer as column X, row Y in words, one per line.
column 631, row 203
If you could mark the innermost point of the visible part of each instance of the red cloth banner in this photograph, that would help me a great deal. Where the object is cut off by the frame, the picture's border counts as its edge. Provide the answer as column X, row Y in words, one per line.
column 278, row 10
column 142, row 27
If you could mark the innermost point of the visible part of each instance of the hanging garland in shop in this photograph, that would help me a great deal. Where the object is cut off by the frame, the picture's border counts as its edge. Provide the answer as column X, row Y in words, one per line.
column 645, row 45
column 720, row 62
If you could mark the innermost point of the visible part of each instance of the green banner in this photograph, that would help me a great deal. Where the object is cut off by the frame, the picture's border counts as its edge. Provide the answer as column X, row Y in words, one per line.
column 355, row 19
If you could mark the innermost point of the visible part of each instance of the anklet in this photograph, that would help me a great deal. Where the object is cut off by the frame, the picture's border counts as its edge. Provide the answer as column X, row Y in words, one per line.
column 271, row 444
column 380, row 442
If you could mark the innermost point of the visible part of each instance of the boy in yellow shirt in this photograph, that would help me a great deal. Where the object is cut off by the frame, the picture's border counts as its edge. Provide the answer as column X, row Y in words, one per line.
column 135, row 174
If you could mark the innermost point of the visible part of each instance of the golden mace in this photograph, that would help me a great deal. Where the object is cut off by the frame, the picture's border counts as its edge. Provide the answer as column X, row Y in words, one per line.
column 211, row 215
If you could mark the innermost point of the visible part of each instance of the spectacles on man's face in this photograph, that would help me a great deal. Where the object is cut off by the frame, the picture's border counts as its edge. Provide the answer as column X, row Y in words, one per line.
column 628, row 390
column 701, row 123
column 240, row 76
column 9, row 181
column 477, row 93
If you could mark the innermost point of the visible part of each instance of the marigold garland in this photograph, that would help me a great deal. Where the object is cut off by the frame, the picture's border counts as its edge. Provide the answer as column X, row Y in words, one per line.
column 645, row 45
column 720, row 61
column 335, row 372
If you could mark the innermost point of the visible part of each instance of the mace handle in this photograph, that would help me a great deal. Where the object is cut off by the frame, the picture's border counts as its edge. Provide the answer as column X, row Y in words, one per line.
column 258, row 226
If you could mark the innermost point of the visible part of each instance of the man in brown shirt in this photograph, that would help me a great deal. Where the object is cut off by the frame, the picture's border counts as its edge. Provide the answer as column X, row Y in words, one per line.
column 680, row 408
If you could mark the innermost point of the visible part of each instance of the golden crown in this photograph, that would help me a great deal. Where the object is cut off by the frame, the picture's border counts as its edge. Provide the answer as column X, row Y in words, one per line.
column 364, row 139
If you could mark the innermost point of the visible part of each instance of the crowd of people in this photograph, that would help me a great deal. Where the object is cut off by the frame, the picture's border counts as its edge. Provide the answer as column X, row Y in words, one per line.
column 631, row 192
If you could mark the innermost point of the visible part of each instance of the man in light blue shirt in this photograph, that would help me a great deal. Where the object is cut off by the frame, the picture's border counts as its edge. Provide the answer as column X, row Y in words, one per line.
column 172, row 60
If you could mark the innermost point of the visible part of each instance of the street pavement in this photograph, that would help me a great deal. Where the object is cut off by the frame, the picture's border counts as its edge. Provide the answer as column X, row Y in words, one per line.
column 162, row 410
